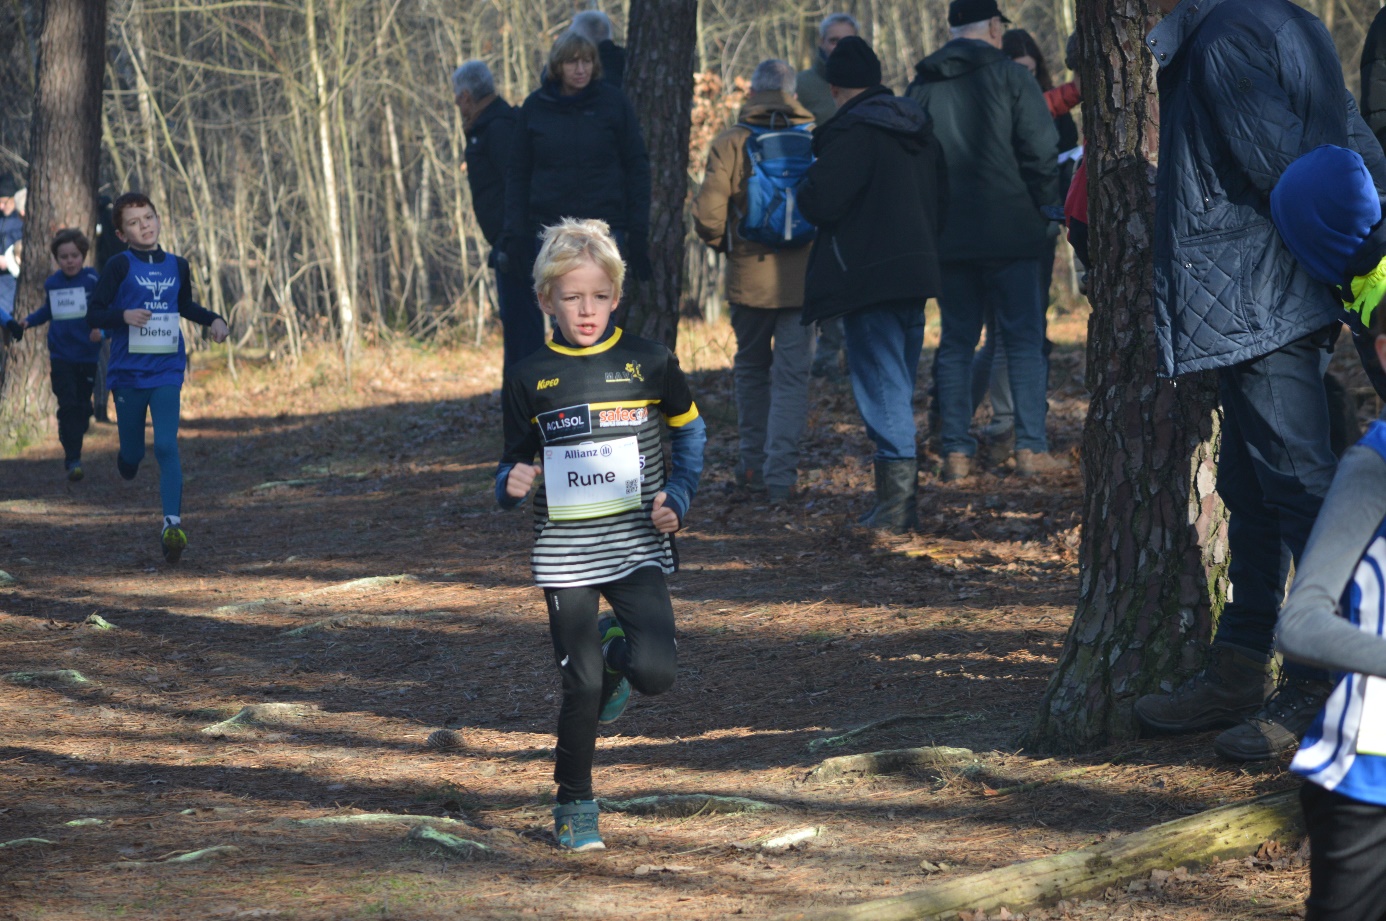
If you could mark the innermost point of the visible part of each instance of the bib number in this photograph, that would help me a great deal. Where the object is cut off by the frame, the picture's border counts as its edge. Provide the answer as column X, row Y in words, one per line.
column 592, row 479
column 1371, row 732
column 157, row 337
column 68, row 303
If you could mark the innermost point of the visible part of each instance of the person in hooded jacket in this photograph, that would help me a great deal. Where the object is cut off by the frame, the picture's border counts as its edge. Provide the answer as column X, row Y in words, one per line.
column 577, row 152
column 1003, row 169
column 876, row 195
column 765, row 286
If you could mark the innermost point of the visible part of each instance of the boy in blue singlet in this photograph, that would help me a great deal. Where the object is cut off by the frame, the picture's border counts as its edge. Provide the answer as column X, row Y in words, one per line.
column 1328, row 213
column 73, row 347
column 142, row 294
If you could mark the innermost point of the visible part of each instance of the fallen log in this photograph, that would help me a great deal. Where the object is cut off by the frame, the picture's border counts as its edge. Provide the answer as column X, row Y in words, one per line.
column 355, row 585
column 1229, row 831
column 894, row 761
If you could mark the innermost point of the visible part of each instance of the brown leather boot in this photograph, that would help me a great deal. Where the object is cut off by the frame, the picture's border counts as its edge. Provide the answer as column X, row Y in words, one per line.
column 1278, row 726
column 1230, row 688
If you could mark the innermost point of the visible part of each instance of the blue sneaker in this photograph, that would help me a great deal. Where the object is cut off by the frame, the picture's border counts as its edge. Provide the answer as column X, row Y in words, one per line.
column 127, row 471
column 615, row 687
column 575, row 826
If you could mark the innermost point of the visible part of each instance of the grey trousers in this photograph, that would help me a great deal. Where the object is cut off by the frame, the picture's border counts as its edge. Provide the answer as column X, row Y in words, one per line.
column 771, row 370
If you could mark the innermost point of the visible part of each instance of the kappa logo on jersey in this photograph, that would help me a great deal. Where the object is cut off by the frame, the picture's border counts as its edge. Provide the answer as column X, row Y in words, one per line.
column 566, row 422
column 609, row 418
column 155, row 286
column 546, row 383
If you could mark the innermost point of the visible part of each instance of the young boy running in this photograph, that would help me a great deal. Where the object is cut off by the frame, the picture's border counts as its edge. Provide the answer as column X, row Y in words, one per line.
column 73, row 346
column 141, row 296
column 1328, row 213
column 606, row 512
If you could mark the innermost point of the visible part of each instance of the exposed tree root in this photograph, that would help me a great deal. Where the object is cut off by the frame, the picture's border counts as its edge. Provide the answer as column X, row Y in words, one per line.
column 840, row 740
column 1230, row 831
column 355, row 585
column 894, row 761
column 50, row 676
column 686, row 805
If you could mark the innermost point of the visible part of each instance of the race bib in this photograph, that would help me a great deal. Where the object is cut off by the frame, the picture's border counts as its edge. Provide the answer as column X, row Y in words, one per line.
column 68, row 303
column 1371, row 732
column 157, row 337
column 592, row 479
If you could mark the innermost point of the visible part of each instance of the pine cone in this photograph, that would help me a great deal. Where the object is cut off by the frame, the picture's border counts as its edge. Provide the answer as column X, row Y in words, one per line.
column 442, row 739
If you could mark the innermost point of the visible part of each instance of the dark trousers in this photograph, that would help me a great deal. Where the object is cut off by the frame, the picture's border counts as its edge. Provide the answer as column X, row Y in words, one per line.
column 72, row 385
column 1347, row 856
column 522, row 322
column 648, row 658
column 1274, row 470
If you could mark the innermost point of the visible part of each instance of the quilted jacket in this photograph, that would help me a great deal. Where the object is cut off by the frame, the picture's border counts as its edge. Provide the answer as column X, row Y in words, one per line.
column 1246, row 86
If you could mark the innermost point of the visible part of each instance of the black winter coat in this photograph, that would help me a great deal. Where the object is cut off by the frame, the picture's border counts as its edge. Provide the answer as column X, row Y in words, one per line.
column 489, row 140
column 1246, row 86
column 1374, row 77
column 876, row 192
column 1002, row 151
column 578, row 156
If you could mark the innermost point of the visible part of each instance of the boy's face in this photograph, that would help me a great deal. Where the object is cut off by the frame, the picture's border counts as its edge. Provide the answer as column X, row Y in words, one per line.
column 581, row 304
column 139, row 227
column 70, row 259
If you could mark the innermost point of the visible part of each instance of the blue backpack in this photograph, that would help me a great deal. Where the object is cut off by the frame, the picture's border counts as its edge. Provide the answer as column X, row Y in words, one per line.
column 779, row 159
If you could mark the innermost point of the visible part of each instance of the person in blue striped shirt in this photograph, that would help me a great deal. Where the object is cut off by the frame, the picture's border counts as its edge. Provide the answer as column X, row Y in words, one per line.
column 1327, row 210
column 143, row 294
column 73, row 346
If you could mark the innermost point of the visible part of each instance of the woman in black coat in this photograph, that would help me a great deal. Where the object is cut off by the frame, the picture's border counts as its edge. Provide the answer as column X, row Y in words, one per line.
column 578, row 152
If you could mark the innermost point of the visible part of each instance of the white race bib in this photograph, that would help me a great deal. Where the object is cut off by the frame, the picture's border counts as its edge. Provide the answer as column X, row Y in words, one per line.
column 157, row 337
column 592, row 479
column 1371, row 732
column 68, row 303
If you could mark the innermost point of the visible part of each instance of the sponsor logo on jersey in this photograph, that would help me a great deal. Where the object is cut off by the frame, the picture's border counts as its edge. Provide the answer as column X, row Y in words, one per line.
column 631, row 372
column 565, row 422
column 546, row 384
column 610, row 418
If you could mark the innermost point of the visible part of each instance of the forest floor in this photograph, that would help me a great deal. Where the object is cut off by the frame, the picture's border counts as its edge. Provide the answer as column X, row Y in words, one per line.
column 794, row 627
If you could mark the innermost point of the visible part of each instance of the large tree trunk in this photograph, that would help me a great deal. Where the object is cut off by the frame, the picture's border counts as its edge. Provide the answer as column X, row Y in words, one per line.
column 1154, row 550
column 659, row 81
column 63, row 153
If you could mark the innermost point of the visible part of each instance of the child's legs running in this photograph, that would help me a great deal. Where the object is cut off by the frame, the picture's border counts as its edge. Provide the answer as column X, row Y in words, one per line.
column 649, row 654
column 132, row 405
column 1347, row 863
column 577, row 648
column 163, row 411
column 72, row 383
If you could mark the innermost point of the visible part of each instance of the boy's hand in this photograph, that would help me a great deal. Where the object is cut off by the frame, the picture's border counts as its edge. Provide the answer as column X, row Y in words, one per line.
column 666, row 520
column 219, row 330
column 521, row 480
column 137, row 317
column 94, row 335
column 23, row 324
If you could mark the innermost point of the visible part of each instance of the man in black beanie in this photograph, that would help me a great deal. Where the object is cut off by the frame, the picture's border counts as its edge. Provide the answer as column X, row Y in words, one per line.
column 875, row 193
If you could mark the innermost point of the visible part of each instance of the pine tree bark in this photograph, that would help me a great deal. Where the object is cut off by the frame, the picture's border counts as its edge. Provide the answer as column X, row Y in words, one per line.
column 63, row 156
column 659, row 81
column 1154, row 549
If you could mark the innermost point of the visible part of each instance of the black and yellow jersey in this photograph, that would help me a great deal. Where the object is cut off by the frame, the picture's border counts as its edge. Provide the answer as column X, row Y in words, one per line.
column 591, row 418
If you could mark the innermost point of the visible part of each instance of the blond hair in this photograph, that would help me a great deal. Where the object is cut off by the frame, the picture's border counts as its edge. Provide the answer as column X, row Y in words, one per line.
column 573, row 46
column 568, row 244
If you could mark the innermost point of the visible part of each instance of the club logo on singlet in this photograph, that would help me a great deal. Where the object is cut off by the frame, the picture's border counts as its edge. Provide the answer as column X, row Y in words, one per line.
column 155, row 286
column 566, row 422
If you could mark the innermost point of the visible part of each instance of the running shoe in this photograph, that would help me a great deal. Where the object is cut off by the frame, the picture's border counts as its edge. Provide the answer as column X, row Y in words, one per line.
column 74, row 473
column 173, row 540
column 127, row 471
column 615, row 687
column 610, row 629
column 575, row 826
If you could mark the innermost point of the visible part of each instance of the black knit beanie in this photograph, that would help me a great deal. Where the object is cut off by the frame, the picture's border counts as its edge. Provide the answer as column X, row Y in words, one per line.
column 853, row 65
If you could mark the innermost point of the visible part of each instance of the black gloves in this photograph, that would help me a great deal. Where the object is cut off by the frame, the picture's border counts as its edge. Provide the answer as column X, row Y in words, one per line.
column 15, row 330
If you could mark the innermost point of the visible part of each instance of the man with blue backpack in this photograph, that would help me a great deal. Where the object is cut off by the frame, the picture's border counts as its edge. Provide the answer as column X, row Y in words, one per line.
column 748, row 208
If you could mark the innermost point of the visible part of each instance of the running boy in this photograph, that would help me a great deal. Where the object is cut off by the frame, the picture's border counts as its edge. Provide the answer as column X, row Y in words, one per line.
column 142, row 293
column 1328, row 213
column 73, row 346
column 605, row 514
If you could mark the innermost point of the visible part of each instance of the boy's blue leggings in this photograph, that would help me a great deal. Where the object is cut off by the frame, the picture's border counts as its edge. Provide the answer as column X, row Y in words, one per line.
column 161, row 404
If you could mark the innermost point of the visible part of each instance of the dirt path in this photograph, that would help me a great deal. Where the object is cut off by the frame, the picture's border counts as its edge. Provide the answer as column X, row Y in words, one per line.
column 794, row 628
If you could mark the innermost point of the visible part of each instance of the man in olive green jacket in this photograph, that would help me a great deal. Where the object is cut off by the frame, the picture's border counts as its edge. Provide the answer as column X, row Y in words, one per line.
column 765, row 287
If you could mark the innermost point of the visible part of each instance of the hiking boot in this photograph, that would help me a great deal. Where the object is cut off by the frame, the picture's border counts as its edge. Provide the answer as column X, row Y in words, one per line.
column 998, row 449
column 575, row 826
column 749, row 479
column 779, row 495
column 897, row 488
column 1278, row 726
column 1229, row 689
column 173, row 541
column 1036, row 463
column 956, row 466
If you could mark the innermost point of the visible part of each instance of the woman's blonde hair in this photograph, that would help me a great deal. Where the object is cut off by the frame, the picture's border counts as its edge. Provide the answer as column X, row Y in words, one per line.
column 571, row 46
column 568, row 244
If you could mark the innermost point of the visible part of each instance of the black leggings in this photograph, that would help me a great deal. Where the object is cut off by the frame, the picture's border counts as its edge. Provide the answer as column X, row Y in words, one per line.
column 647, row 658
column 1347, row 856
